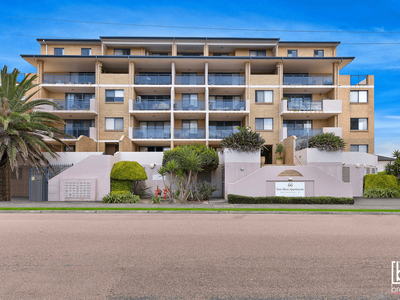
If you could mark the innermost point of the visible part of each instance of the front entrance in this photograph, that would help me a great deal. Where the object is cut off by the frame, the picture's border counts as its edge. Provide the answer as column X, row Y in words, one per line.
column 111, row 149
column 267, row 153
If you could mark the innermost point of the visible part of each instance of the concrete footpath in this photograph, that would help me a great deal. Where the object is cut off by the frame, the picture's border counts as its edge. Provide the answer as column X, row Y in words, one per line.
column 214, row 204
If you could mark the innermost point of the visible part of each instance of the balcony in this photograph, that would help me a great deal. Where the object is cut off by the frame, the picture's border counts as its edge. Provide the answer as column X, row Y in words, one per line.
column 226, row 79
column 307, row 80
column 189, row 79
column 188, row 105
column 187, row 133
column 227, row 105
column 314, row 109
column 68, row 78
column 70, row 105
column 76, row 132
column 307, row 133
column 143, row 105
column 151, row 133
column 153, row 79
column 221, row 132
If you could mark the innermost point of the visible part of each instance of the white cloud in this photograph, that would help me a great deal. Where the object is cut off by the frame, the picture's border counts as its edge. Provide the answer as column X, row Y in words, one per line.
column 386, row 149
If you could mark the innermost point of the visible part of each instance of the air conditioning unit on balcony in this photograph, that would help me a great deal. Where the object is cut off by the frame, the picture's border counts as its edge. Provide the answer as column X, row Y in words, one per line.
column 138, row 99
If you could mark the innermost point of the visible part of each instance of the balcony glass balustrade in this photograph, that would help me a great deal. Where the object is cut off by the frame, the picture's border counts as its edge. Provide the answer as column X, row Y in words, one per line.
column 69, row 78
column 190, row 133
column 226, row 79
column 227, row 105
column 304, row 132
column 152, row 105
column 307, row 80
column 304, row 105
column 76, row 132
column 72, row 104
column 189, row 79
column 153, row 79
column 220, row 132
column 194, row 104
column 151, row 133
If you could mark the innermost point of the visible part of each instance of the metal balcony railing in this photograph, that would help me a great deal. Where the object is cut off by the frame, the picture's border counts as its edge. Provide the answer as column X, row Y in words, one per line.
column 152, row 105
column 301, row 105
column 227, row 105
column 155, row 79
column 225, row 79
column 69, row 78
column 189, row 104
column 189, row 79
column 72, row 104
column 221, row 132
column 307, row 80
column 187, row 133
column 151, row 133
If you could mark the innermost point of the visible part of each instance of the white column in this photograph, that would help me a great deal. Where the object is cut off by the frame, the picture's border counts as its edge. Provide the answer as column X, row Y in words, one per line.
column 173, row 72
column 206, row 73
column 172, row 119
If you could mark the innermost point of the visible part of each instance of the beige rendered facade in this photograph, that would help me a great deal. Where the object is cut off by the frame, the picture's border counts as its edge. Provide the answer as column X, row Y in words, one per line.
column 151, row 94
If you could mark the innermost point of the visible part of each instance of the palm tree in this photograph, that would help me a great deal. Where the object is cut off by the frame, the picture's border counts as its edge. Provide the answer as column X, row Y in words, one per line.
column 21, row 129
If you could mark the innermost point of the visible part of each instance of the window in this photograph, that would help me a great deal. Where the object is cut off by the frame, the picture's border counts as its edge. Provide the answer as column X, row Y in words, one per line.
column 359, row 148
column 292, row 53
column 114, row 95
column 86, row 51
column 114, row 123
column 318, row 53
column 58, row 51
column 358, row 96
column 122, row 51
column 160, row 54
column 220, row 54
column 154, row 149
column 264, row 96
column 258, row 53
column 264, row 124
column 358, row 124
column 346, row 174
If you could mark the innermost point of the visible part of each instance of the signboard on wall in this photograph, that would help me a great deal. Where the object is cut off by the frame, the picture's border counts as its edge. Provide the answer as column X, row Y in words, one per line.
column 290, row 189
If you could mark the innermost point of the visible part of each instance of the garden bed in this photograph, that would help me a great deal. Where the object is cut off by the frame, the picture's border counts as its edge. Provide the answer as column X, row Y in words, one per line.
column 237, row 199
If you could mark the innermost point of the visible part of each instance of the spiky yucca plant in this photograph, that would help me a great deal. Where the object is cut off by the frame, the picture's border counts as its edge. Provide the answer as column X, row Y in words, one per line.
column 21, row 129
column 244, row 140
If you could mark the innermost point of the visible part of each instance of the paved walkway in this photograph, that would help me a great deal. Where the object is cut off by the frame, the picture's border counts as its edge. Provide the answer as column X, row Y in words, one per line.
column 360, row 203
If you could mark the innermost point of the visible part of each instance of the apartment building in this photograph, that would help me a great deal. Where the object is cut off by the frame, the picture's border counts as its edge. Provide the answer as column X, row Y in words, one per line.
column 154, row 93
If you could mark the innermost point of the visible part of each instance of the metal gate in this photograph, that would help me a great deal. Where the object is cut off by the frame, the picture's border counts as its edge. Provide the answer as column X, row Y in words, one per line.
column 39, row 180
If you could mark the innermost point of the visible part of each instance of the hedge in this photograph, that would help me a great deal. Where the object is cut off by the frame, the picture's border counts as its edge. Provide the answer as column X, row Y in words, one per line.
column 237, row 199
column 381, row 193
column 128, row 170
column 121, row 197
column 380, row 181
column 121, row 185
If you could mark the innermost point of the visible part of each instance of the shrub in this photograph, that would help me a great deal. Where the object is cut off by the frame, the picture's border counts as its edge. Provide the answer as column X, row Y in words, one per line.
column 237, row 199
column 326, row 141
column 380, row 181
column 279, row 149
column 208, row 156
column 205, row 190
column 244, row 140
column 393, row 167
column 121, row 197
column 128, row 170
column 155, row 199
column 375, row 192
column 382, row 173
column 121, row 185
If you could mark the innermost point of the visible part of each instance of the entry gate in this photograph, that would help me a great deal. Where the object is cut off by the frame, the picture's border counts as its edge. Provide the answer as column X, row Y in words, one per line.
column 39, row 180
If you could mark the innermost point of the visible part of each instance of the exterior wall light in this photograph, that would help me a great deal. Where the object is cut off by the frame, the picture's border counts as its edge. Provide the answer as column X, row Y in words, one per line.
column 152, row 166
column 343, row 163
column 290, row 179
column 241, row 169
column 357, row 166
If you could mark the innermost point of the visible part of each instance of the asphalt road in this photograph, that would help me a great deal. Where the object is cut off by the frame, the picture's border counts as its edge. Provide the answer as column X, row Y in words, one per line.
column 166, row 256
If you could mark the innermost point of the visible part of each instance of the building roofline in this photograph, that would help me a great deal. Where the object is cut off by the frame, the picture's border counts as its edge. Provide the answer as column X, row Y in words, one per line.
column 185, row 38
column 385, row 158
column 308, row 42
column 187, row 57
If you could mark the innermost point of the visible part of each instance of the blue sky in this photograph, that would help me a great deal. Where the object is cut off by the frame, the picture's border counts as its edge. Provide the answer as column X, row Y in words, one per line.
column 18, row 36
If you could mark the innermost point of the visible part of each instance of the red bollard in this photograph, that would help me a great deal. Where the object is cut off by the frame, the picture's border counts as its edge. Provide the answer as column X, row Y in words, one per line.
column 165, row 193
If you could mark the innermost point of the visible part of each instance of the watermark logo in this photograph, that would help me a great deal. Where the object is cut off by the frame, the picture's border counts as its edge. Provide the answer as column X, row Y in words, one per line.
column 395, row 277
